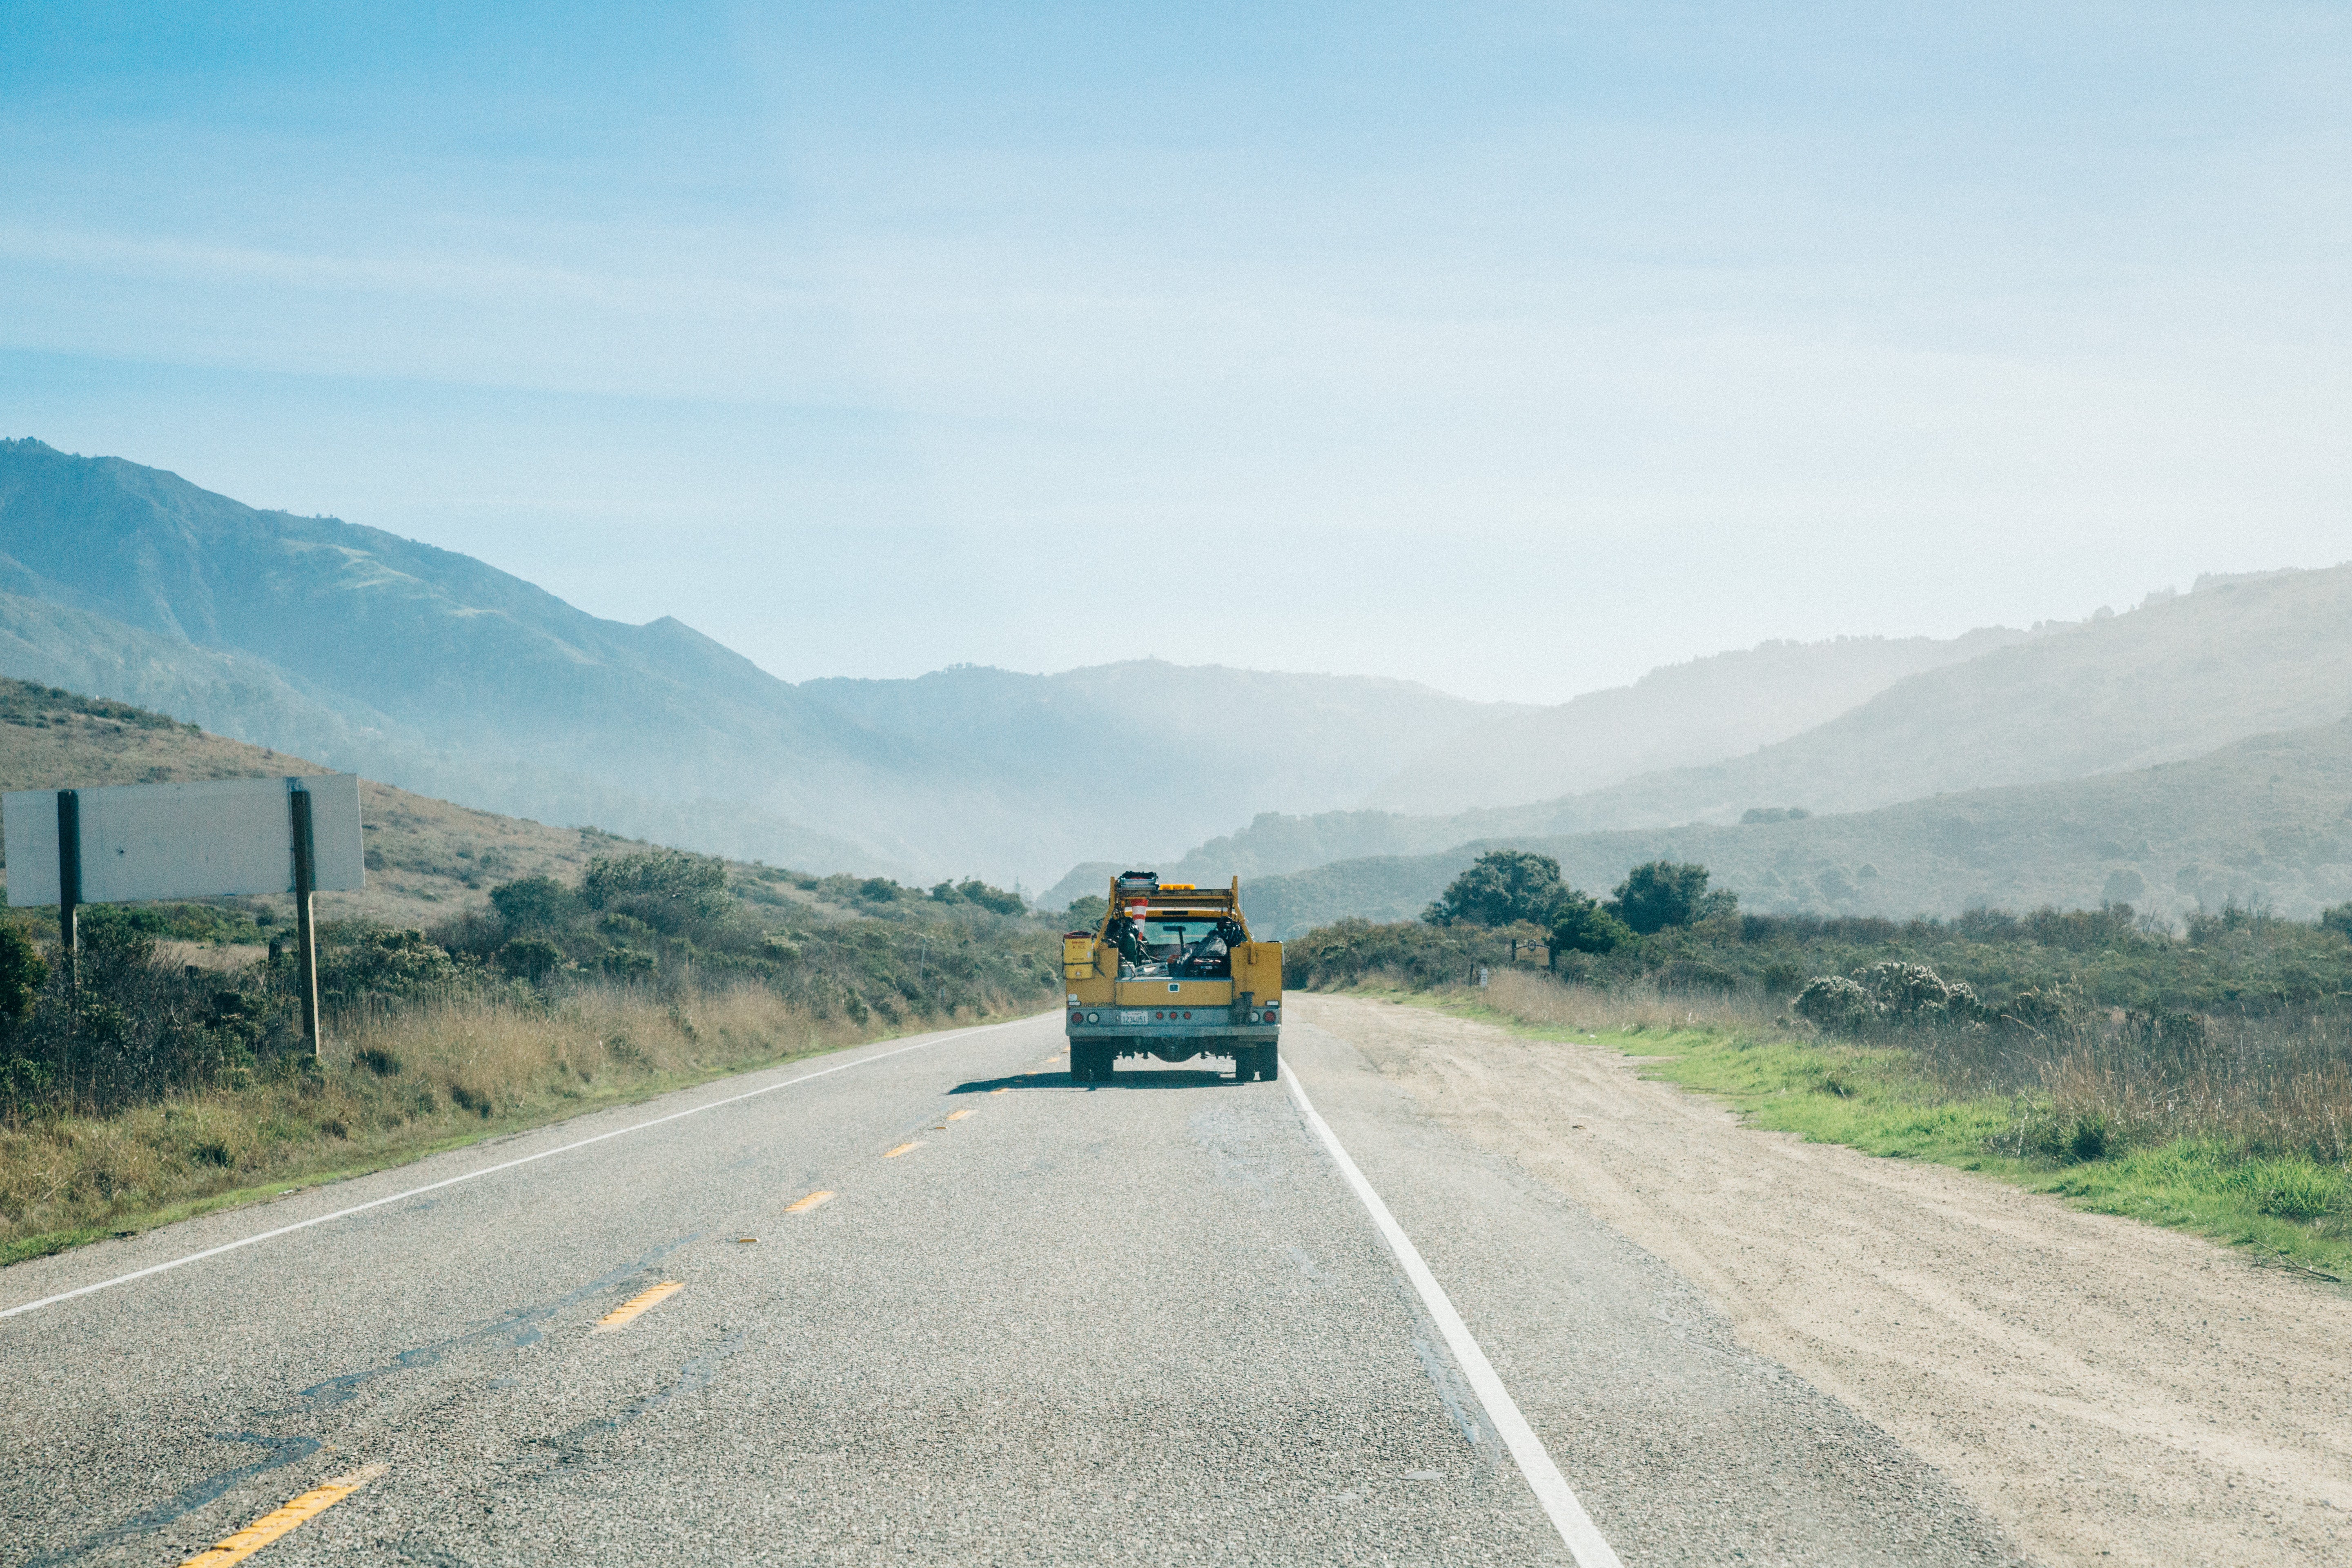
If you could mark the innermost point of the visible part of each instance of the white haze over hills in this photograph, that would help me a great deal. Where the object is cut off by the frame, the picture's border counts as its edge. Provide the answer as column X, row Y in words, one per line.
column 1698, row 712
column 431, row 670
column 2184, row 676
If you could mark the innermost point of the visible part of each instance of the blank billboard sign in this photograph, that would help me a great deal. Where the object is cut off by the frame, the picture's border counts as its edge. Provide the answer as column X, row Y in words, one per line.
column 185, row 840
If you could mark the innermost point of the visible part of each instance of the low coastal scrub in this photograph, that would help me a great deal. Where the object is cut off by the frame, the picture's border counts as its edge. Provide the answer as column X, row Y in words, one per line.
column 143, row 1086
column 2200, row 1078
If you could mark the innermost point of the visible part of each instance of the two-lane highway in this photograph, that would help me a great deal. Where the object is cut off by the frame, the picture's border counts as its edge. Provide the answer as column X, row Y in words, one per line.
column 1152, row 1321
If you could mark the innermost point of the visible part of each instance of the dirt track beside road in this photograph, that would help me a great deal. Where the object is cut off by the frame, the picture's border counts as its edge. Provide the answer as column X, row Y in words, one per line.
column 2109, row 1392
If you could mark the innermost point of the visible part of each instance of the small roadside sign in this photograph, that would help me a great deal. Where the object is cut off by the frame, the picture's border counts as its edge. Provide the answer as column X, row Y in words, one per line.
column 217, row 837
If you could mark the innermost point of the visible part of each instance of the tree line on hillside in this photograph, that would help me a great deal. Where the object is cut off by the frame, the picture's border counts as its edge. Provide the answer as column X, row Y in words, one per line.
column 1665, row 925
column 2109, row 1031
column 129, row 1026
column 1507, row 889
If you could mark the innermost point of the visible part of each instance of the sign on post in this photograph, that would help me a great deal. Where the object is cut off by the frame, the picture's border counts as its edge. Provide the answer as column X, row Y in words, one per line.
column 126, row 843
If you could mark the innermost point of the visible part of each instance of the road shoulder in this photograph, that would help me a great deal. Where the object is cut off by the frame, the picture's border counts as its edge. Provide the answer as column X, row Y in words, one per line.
column 2108, row 1392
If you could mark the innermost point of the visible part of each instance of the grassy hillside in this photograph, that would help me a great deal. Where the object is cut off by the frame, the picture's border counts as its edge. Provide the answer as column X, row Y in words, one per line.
column 437, row 672
column 2266, row 821
column 2172, row 679
column 1701, row 711
column 428, row 860
column 495, row 972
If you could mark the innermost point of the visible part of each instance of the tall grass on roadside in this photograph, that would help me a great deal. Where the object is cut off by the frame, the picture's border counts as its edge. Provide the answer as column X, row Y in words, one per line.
column 2097, row 1082
column 400, row 1080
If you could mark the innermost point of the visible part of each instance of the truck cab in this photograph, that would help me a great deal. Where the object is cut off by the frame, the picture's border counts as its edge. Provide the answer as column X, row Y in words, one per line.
column 1172, row 973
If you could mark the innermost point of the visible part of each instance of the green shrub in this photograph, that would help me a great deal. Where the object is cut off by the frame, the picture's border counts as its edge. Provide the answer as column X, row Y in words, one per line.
column 531, row 958
column 1664, row 893
column 375, row 963
column 972, row 890
column 535, row 904
column 1502, row 887
column 23, row 973
column 665, row 887
column 1833, row 1003
column 1579, row 924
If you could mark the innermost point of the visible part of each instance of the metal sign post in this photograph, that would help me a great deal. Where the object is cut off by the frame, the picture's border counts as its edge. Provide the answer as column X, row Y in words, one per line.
column 306, row 959
column 70, row 885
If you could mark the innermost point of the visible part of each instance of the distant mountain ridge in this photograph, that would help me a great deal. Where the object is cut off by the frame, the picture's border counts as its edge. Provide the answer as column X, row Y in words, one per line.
column 434, row 670
column 2243, row 656
column 1700, row 711
column 2263, row 822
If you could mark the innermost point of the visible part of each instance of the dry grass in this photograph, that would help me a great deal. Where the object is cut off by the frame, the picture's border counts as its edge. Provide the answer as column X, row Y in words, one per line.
column 397, row 1085
column 1534, row 997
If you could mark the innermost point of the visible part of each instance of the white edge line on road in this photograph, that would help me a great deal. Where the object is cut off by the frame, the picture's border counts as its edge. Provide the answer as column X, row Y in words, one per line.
column 1568, row 1516
column 502, row 1165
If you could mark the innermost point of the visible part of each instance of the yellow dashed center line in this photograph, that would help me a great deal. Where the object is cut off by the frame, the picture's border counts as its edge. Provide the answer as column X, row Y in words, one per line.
column 960, row 1115
column 1000, row 1092
column 808, row 1203
column 639, row 1302
column 278, row 1521
column 910, row 1143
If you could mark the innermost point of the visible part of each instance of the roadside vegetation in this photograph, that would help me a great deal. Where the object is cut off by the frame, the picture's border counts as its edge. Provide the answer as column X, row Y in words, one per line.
column 172, row 1077
column 2197, row 1077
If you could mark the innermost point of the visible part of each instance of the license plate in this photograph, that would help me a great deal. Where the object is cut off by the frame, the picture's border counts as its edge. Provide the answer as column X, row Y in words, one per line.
column 1135, row 1017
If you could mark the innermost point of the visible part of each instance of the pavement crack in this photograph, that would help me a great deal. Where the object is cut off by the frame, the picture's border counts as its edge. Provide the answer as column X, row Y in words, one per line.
column 282, row 1451
column 519, row 1327
column 568, row 1445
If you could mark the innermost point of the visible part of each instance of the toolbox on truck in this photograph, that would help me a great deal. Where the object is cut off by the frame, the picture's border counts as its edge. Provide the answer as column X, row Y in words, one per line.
column 1172, row 973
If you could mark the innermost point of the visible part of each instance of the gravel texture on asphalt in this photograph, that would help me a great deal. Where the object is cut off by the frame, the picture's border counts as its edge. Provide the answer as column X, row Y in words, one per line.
column 1138, row 1322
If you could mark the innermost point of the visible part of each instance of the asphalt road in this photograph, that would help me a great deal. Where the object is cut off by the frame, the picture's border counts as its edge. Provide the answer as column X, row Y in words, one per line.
column 1147, row 1322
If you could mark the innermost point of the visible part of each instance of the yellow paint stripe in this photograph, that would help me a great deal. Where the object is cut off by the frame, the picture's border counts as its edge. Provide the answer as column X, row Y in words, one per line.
column 639, row 1302
column 1000, row 1092
column 278, row 1521
column 910, row 1143
column 808, row 1203
column 960, row 1115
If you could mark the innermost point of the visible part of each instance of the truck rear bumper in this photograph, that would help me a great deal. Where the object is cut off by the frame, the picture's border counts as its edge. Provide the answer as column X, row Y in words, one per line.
column 1176, row 1043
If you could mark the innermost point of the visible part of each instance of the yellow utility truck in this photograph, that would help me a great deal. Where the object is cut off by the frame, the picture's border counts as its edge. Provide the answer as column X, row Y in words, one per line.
column 1172, row 973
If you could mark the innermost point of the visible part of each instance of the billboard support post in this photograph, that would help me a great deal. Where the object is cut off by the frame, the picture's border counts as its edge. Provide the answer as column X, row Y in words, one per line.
column 69, row 885
column 306, row 940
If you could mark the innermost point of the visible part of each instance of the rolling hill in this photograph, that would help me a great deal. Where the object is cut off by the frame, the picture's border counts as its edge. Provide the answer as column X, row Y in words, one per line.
column 2266, row 821
column 1684, row 714
column 434, row 670
column 2176, row 678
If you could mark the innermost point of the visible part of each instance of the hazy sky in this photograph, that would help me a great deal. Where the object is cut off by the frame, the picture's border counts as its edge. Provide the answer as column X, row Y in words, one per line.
column 1514, row 348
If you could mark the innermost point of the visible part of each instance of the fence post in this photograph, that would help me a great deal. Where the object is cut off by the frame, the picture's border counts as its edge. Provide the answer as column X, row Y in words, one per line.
column 306, row 951
column 69, row 887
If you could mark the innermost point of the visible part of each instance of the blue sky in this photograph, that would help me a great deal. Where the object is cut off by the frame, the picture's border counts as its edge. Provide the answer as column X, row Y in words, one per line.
column 1514, row 349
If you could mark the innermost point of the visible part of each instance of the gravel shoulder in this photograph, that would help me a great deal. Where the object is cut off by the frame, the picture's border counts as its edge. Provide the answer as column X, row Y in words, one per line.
column 2109, row 1393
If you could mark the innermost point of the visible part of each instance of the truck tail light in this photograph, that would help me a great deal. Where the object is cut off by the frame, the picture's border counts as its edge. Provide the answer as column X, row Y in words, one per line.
column 1094, row 1017
column 1076, row 1018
